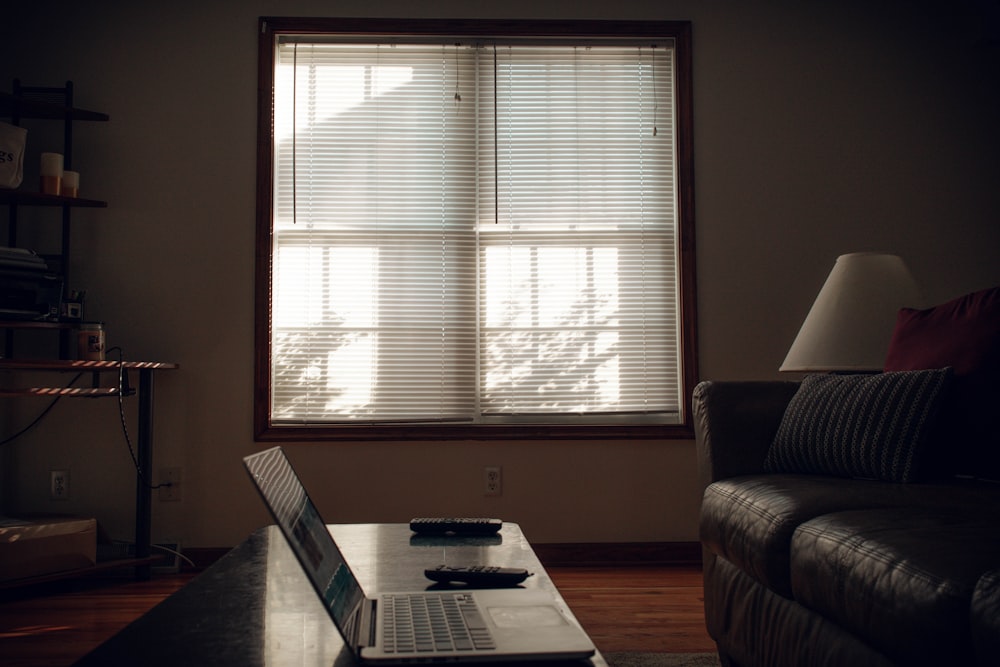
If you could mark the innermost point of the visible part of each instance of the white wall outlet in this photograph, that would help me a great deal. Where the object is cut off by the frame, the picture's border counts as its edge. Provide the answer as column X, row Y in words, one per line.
column 169, row 483
column 59, row 484
column 494, row 481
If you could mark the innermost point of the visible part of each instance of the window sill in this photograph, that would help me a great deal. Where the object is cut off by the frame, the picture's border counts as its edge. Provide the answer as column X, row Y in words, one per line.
column 423, row 432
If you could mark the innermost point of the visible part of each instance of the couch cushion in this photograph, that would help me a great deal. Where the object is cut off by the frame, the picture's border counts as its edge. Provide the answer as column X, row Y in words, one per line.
column 754, row 626
column 963, row 333
column 867, row 426
column 750, row 520
column 900, row 578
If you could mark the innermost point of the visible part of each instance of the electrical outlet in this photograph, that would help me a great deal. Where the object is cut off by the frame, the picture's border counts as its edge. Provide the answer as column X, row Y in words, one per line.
column 59, row 484
column 169, row 483
column 494, row 481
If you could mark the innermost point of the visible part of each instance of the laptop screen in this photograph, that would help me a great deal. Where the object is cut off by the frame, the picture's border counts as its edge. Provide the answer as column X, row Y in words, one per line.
column 307, row 535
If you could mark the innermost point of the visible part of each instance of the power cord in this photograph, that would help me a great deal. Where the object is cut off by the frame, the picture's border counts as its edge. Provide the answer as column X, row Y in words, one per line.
column 123, row 388
column 41, row 416
column 175, row 553
column 122, row 547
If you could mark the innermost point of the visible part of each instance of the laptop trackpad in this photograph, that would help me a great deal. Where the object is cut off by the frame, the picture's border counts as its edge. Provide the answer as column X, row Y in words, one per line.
column 525, row 617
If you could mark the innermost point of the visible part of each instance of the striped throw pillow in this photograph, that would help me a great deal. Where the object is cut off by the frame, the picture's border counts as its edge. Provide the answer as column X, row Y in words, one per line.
column 864, row 426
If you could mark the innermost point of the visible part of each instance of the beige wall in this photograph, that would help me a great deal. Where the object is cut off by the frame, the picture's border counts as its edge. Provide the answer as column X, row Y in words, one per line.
column 821, row 128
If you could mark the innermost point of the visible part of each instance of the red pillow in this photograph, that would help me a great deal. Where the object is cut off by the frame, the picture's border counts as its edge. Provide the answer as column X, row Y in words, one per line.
column 963, row 333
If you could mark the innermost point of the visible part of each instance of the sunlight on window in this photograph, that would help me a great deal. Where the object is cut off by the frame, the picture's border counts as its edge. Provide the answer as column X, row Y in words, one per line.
column 328, row 91
column 351, row 373
column 607, row 375
column 352, row 288
column 562, row 284
column 298, row 286
column 351, row 369
column 548, row 311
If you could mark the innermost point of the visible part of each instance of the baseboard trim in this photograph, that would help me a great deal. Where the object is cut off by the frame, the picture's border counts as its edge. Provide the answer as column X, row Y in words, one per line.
column 202, row 557
column 579, row 554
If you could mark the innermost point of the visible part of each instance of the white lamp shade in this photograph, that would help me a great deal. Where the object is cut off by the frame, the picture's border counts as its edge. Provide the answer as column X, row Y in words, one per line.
column 850, row 324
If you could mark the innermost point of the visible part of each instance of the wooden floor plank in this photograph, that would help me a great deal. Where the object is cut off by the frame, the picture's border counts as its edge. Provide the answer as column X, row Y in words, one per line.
column 58, row 623
column 657, row 609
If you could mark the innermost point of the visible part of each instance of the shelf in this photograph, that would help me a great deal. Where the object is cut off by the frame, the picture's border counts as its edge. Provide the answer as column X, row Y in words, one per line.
column 28, row 108
column 79, row 366
column 38, row 324
column 52, row 103
column 70, row 392
column 70, row 365
column 37, row 199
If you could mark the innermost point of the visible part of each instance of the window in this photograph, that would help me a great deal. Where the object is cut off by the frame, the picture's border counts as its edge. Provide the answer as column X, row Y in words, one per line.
column 474, row 230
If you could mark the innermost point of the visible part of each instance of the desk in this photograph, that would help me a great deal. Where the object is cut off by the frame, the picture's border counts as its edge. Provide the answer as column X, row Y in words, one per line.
column 256, row 607
column 144, row 444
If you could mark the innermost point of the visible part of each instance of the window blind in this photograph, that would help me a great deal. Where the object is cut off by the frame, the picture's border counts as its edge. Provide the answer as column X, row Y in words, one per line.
column 473, row 232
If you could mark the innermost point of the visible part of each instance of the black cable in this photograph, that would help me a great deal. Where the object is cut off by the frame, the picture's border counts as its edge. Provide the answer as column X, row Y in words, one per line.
column 121, row 415
column 40, row 417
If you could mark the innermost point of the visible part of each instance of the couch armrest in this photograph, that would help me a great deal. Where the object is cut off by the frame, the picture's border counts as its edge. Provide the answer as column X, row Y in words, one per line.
column 734, row 424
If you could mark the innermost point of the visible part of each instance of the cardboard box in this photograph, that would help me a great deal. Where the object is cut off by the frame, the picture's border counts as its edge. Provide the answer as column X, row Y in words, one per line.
column 38, row 545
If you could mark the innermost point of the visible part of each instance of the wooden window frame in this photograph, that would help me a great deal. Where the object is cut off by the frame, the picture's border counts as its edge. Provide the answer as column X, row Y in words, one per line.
column 614, row 429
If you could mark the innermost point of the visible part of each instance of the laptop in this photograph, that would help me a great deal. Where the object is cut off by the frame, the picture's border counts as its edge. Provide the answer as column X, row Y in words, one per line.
column 486, row 625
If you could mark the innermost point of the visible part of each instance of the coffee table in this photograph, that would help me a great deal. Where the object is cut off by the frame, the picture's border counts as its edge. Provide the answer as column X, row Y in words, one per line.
column 254, row 606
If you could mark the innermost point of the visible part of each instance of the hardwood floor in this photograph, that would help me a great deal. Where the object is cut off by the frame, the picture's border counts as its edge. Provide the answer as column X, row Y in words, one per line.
column 639, row 608
column 655, row 609
column 58, row 623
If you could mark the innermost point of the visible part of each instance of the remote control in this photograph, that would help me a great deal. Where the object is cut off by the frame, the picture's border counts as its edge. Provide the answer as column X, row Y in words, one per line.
column 455, row 526
column 478, row 575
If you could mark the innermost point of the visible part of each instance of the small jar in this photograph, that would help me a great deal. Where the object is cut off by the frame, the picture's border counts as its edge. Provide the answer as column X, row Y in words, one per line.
column 70, row 184
column 90, row 341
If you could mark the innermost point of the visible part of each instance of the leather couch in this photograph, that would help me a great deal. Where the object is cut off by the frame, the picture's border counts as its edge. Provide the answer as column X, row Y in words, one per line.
column 805, row 569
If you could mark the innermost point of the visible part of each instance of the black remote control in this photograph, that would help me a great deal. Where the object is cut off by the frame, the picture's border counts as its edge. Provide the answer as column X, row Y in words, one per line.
column 455, row 526
column 487, row 576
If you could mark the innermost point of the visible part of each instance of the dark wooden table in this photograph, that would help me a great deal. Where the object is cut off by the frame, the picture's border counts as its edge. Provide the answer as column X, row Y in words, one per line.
column 256, row 607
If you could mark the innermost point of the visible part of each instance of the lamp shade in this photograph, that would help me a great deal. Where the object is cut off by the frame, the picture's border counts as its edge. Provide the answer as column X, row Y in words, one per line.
column 850, row 324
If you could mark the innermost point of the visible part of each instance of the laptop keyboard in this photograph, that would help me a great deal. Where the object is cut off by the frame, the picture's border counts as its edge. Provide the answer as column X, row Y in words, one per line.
column 431, row 623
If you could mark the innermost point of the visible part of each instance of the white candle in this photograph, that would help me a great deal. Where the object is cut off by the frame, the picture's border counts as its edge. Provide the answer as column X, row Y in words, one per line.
column 70, row 184
column 52, row 171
